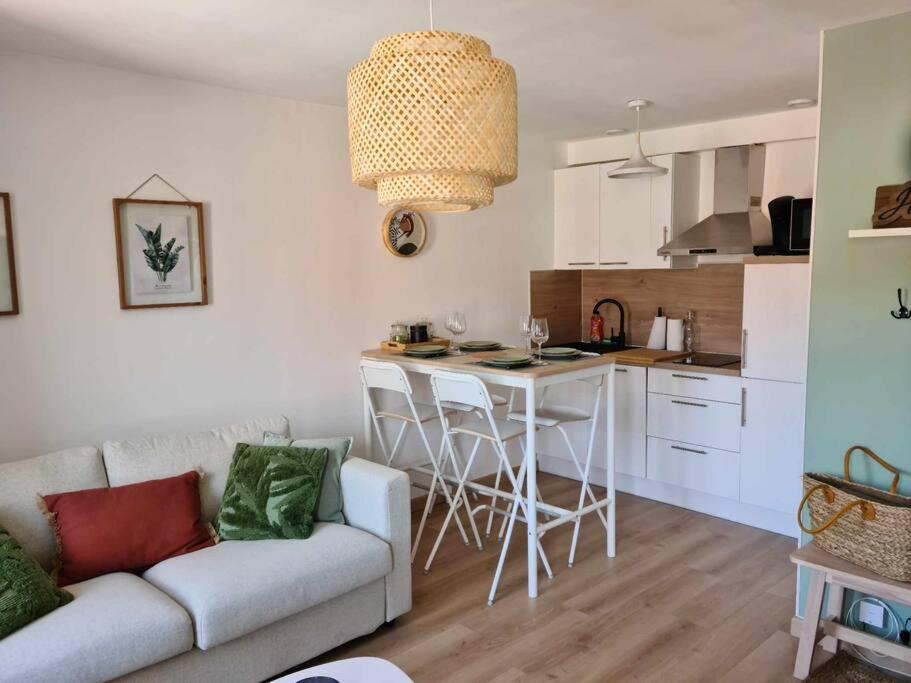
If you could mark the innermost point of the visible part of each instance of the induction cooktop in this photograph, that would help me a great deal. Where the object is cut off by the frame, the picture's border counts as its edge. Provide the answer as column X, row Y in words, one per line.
column 710, row 360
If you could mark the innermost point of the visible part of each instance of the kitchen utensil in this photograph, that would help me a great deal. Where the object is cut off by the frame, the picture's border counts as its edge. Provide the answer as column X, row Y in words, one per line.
column 426, row 350
column 539, row 332
column 560, row 353
column 417, row 333
column 456, row 323
column 525, row 330
column 398, row 332
column 483, row 345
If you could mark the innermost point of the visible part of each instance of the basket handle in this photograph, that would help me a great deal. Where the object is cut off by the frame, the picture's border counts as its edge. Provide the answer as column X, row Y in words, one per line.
column 870, row 454
column 866, row 509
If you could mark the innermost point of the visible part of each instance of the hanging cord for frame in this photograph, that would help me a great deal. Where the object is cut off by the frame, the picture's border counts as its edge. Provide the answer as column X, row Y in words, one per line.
column 152, row 177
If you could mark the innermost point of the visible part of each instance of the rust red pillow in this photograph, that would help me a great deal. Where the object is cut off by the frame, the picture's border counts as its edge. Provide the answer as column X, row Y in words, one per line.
column 126, row 528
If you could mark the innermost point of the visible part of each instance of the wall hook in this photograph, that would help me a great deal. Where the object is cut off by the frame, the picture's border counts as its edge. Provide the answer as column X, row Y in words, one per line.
column 903, row 312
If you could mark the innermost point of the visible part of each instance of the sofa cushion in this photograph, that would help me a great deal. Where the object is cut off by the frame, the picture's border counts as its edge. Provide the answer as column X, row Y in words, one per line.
column 117, row 623
column 272, row 492
column 155, row 457
column 237, row 587
column 23, row 480
column 126, row 528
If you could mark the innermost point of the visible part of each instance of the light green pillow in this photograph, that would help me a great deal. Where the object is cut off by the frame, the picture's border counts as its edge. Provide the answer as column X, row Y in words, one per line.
column 339, row 447
column 26, row 590
column 272, row 492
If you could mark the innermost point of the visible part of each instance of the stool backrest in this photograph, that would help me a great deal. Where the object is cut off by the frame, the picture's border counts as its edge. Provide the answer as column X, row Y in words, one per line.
column 376, row 374
column 458, row 387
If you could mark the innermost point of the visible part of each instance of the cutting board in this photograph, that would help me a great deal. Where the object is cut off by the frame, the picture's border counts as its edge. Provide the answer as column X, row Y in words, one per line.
column 647, row 356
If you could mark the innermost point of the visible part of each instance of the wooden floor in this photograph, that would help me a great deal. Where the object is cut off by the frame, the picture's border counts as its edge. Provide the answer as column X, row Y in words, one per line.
column 688, row 598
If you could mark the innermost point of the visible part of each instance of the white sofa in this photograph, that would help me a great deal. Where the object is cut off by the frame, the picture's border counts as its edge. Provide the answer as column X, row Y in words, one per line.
column 238, row 611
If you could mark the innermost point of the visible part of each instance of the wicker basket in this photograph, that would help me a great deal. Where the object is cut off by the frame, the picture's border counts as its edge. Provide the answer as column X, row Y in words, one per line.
column 862, row 524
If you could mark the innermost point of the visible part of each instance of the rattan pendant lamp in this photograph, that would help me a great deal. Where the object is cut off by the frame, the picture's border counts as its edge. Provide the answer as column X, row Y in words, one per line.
column 432, row 121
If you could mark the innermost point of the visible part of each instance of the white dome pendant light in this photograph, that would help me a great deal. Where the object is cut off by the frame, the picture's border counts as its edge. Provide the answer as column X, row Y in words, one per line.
column 637, row 166
column 432, row 121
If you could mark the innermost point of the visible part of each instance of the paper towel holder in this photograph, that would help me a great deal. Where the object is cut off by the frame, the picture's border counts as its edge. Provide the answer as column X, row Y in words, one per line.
column 903, row 312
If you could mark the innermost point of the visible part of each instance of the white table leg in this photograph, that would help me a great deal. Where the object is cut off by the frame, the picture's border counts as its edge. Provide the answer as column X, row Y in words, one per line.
column 531, row 503
column 611, row 478
column 368, row 426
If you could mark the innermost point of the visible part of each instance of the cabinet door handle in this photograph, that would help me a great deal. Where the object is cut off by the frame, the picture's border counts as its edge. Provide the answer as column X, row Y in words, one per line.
column 613, row 263
column 665, row 241
column 689, row 450
column 703, row 379
column 743, row 350
column 689, row 403
column 743, row 407
column 620, row 370
column 581, row 263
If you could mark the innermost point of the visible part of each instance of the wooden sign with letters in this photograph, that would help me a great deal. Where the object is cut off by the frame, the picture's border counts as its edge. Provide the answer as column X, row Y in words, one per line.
column 893, row 206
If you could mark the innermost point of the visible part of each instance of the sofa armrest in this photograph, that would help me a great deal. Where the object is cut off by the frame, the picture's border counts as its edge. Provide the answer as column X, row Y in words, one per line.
column 377, row 499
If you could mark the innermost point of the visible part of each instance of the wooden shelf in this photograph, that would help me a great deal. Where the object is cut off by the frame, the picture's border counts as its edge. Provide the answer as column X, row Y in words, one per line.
column 885, row 232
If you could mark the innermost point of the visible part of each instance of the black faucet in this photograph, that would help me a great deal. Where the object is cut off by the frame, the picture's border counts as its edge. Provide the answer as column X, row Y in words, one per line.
column 621, row 338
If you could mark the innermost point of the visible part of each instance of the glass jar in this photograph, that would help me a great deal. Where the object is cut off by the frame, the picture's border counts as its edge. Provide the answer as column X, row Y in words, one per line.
column 398, row 332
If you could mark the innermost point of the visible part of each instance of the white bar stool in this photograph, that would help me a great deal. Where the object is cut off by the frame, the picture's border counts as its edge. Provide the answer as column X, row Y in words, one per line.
column 555, row 417
column 467, row 390
column 379, row 375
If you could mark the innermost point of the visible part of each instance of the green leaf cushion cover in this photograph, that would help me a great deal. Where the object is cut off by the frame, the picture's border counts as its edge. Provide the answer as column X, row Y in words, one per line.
column 339, row 447
column 26, row 590
column 272, row 492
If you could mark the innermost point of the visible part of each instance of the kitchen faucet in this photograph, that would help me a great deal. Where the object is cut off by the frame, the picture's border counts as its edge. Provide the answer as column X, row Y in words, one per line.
column 621, row 338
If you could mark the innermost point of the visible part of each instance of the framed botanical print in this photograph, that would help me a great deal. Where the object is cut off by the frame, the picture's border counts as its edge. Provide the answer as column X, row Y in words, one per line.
column 404, row 232
column 9, row 294
column 161, row 253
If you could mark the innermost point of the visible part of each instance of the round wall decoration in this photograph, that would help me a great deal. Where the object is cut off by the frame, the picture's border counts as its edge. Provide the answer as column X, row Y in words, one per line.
column 404, row 232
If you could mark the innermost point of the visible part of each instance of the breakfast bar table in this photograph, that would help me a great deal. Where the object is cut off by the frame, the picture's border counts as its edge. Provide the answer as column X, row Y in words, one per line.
column 531, row 379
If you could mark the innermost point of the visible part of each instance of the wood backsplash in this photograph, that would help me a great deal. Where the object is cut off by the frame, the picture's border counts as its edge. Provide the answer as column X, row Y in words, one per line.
column 714, row 292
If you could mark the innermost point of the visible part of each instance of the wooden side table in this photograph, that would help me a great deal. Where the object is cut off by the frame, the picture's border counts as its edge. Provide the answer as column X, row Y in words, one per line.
column 840, row 575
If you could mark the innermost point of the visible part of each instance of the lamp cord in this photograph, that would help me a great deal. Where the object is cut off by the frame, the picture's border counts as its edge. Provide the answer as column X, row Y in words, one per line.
column 431, row 15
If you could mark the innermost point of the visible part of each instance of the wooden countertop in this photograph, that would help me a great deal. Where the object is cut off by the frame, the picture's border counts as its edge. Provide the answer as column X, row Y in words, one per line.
column 469, row 361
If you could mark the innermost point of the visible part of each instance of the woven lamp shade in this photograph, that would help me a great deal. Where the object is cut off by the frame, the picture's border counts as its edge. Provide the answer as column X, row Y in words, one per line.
column 432, row 122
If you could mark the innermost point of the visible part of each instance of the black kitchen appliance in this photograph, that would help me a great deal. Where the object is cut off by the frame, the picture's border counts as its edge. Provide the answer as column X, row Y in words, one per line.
column 709, row 360
column 791, row 221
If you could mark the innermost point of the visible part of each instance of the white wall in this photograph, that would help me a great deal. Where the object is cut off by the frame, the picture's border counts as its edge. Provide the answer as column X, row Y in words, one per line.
column 299, row 279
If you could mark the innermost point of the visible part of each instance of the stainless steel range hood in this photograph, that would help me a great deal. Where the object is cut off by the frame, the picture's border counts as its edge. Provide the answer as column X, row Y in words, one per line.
column 737, row 224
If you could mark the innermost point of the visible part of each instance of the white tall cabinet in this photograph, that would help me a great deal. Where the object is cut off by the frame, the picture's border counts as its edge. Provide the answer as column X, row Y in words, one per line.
column 603, row 222
column 775, row 311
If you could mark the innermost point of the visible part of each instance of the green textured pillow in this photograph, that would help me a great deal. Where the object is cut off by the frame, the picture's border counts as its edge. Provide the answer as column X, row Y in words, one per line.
column 272, row 492
column 26, row 590
column 339, row 447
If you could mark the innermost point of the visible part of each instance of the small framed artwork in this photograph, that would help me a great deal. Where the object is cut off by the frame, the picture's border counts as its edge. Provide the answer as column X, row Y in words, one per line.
column 9, row 294
column 161, row 253
column 404, row 232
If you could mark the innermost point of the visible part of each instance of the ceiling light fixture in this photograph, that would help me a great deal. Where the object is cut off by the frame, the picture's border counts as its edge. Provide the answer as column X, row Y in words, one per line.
column 801, row 102
column 637, row 166
column 432, row 121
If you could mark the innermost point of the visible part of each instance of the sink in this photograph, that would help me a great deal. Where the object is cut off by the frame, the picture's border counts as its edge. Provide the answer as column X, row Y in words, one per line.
column 590, row 347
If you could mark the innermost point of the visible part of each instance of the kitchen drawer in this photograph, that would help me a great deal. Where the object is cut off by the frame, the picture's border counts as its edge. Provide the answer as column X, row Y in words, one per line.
column 694, row 467
column 695, row 421
column 694, row 384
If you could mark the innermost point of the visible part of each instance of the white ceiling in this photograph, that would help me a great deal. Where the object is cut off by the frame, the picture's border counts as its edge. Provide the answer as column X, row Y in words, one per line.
column 577, row 61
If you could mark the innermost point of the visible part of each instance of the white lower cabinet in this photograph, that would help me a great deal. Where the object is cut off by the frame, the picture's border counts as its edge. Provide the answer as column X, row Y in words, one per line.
column 699, row 468
column 772, row 444
column 629, row 420
column 694, row 420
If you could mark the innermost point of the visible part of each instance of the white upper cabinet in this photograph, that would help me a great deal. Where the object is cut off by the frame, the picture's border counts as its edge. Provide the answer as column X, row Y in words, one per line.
column 775, row 310
column 576, row 201
column 603, row 222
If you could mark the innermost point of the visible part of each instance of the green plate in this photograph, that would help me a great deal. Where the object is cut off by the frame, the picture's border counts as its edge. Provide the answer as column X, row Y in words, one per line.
column 425, row 350
column 560, row 351
column 509, row 358
column 483, row 345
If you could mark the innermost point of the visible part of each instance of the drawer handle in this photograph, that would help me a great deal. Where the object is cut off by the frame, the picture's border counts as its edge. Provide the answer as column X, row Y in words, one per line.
column 620, row 370
column 689, row 403
column 688, row 450
column 613, row 263
column 581, row 263
column 743, row 407
column 704, row 379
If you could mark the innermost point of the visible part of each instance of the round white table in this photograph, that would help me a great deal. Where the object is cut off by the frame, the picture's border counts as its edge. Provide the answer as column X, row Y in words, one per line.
column 355, row 670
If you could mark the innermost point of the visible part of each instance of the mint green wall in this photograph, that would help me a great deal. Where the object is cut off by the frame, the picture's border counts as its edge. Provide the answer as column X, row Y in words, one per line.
column 859, row 376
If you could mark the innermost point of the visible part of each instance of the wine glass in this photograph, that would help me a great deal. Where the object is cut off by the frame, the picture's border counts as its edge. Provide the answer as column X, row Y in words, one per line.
column 539, row 332
column 455, row 323
column 525, row 330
